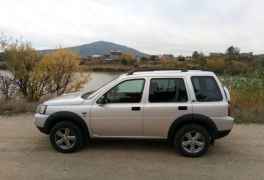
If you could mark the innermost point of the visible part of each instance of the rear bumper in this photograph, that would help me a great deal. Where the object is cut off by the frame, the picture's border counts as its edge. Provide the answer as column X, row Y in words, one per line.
column 224, row 123
column 224, row 126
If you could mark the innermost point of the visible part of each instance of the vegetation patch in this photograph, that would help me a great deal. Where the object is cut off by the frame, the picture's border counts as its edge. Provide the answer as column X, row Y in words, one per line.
column 247, row 97
column 16, row 106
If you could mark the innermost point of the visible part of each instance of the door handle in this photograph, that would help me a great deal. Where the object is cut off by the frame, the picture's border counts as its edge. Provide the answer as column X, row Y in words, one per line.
column 135, row 108
column 182, row 108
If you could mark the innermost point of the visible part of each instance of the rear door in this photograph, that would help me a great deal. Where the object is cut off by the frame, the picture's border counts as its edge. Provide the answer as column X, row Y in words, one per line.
column 167, row 100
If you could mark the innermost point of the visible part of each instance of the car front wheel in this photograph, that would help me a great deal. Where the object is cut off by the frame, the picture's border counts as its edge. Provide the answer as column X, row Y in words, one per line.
column 66, row 137
column 192, row 140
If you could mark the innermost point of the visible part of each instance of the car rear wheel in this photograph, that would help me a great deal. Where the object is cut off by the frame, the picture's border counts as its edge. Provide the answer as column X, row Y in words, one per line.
column 66, row 137
column 192, row 140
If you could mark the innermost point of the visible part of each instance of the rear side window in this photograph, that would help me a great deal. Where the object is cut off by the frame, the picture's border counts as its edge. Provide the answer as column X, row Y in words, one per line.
column 167, row 90
column 206, row 89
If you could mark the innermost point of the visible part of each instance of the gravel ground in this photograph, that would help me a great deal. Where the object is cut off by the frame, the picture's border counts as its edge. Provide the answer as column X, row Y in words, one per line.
column 26, row 154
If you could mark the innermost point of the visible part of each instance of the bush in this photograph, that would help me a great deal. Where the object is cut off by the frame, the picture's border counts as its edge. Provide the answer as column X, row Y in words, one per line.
column 38, row 76
column 127, row 59
column 236, row 67
column 7, row 86
column 247, row 105
column 216, row 64
column 247, row 98
column 54, row 73
column 22, row 60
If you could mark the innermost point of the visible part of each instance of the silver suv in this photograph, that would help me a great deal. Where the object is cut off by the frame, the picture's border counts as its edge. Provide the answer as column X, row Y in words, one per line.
column 189, row 108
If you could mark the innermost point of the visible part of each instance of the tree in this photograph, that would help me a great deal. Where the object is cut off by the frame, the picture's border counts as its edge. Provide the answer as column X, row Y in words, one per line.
column 198, row 56
column 195, row 55
column 144, row 59
column 7, row 86
column 216, row 64
column 181, row 58
column 37, row 76
column 232, row 52
column 54, row 75
column 127, row 59
column 21, row 61
column 58, row 69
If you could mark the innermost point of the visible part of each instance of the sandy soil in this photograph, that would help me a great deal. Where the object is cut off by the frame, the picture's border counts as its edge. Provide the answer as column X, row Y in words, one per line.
column 26, row 154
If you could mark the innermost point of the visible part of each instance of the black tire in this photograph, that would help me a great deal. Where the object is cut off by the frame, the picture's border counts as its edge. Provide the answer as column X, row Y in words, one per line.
column 191, row 148
column 75, row 131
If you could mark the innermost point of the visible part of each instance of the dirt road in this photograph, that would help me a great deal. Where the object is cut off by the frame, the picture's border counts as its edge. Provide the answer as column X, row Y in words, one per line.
column 26, row 154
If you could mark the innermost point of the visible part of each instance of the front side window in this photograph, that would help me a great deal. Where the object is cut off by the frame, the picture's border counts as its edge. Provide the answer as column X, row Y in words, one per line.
column 167, row 90
column 129, row 91
column 206, row 89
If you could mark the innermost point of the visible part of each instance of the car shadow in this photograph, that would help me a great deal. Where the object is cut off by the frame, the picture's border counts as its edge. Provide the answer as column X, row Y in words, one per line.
column 129, row 144
column 145, row 146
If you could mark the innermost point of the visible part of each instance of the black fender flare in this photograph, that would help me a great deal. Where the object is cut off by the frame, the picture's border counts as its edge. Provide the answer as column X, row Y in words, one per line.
column 66, row 116
column 200, row 119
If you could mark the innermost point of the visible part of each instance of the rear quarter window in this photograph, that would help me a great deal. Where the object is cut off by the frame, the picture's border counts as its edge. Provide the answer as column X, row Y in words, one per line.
column 206, row 89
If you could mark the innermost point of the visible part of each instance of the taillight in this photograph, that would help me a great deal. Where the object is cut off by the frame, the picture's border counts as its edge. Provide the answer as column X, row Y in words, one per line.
column 229, row 109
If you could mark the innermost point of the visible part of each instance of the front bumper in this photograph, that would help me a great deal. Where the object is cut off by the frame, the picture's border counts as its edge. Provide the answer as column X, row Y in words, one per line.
column 39, row 121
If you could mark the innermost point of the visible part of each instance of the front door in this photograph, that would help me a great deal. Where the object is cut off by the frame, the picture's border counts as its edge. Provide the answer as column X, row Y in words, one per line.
column 119, row 112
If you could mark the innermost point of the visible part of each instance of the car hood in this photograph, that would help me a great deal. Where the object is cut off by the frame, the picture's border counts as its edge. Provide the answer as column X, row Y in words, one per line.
column 66, row 99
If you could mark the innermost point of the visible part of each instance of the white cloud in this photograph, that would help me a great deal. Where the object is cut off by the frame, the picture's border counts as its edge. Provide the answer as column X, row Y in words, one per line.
column 153, row 26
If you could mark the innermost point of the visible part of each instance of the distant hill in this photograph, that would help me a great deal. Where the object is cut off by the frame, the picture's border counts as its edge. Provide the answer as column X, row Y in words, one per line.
column 100, row 48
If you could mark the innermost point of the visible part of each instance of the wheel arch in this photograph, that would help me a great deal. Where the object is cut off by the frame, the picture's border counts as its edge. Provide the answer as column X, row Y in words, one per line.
column 199, row 119
column 70, row 117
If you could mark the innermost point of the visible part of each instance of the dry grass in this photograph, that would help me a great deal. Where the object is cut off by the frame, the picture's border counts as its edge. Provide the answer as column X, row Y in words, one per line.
column 247, row 97
column 248, row 105
column 16, row 106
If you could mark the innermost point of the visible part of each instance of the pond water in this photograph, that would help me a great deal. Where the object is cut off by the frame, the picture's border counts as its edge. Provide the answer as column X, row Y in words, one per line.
column 98, row 79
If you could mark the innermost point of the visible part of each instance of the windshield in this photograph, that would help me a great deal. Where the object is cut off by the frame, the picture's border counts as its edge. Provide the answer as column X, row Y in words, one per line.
column 91, row 94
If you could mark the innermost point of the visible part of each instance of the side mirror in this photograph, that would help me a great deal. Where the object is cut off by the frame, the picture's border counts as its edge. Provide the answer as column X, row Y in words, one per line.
column 101, row 100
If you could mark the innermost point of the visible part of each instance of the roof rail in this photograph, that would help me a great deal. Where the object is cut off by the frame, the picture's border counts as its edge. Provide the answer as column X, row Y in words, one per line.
column 154, row 69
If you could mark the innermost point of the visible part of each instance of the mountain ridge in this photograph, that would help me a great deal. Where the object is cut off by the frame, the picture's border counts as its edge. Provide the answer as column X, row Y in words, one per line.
column 100, row 48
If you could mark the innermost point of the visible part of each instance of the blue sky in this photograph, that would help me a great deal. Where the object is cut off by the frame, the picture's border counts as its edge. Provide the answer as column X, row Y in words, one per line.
column 152, row 26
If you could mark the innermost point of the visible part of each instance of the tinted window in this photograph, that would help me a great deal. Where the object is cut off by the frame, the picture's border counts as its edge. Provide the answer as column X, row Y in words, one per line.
column 126, row 92
column 206, row 89
column 167, row 90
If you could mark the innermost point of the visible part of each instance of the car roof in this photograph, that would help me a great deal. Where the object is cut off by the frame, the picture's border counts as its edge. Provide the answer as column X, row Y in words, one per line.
column 153, row 73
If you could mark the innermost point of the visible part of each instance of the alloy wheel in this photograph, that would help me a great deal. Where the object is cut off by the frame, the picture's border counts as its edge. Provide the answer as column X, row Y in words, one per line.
column 65, row 138
column 193, row 142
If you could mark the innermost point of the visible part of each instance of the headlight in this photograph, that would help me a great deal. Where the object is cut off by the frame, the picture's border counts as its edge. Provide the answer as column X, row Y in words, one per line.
column 41, row 109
